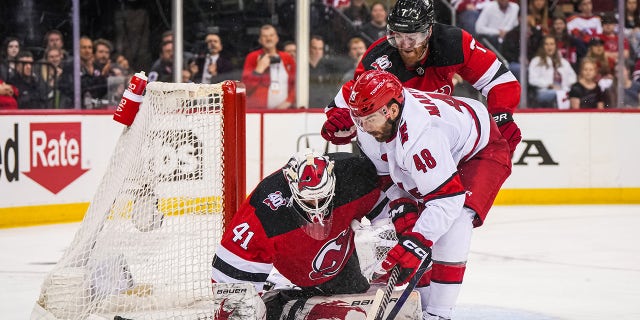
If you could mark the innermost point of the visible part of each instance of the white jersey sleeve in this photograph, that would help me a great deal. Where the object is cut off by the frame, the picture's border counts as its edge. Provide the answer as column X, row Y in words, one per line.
column 435, row 134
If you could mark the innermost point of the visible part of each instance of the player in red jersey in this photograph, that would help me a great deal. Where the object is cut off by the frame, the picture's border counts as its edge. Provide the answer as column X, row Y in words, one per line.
column 425, row 55
column 298, row 221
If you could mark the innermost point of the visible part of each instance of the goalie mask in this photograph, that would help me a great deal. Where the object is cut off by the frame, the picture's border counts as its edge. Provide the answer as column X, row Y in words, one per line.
column 312, row 183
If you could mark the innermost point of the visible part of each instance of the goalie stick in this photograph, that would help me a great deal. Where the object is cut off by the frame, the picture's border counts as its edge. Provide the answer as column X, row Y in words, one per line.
column 379, row 305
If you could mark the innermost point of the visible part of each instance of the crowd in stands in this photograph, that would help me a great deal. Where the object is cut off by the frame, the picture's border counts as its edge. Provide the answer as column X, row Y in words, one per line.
column 572, row 54
column 572, row 49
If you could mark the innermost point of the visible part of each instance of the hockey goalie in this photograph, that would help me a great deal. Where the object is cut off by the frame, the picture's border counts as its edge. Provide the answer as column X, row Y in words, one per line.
column 304, row 222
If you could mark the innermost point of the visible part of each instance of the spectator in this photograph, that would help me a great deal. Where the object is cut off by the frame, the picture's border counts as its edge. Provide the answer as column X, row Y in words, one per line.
column 586, row 93
column 632, row 25
column 551, row 77
column 377, row 27
column 496, row 19
column 290, row 48
column 604, row 65
column 32, row 90
column 163, row 71
column 193, row 68
column 358, row 13
column 269, row 74
column 54, row 39
column 467, row 13
column 51, row 73
column 610, row 38
column 102, row 56
column 123, row 63
column 323, row 79
column 213, row 67
column 10, row 49
column 357, row 48
column 8, row 95
column 584, row 25
column 631, row 90
column 93, row 85
column 101, row 71
column 167, row 36
column 538, row 15
column 570, row 47
column 86, row 54
column 636, row 71
column 187, row 76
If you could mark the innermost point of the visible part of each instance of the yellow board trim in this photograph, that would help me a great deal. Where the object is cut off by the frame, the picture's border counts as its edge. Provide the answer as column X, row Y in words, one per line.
column 568, row 196
column 74, row 212
column 43, row 214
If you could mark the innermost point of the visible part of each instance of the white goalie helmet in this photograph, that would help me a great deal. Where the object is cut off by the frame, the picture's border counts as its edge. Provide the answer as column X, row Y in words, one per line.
column 312, row 182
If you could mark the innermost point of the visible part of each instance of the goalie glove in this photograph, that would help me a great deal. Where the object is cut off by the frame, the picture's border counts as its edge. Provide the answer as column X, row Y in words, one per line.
column 411, row 250
column 509, row 129
column 339, row 128
column 373, row 242
column 404, row 214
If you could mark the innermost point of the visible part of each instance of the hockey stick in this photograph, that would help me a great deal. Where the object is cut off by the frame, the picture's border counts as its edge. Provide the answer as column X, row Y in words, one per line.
column 407, row 291
column 382, row 298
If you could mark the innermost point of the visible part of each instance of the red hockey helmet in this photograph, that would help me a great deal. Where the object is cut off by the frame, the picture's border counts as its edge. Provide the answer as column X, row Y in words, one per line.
column 373, row 90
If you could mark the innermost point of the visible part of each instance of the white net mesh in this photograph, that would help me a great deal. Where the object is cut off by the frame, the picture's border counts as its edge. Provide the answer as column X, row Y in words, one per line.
column 144, row 248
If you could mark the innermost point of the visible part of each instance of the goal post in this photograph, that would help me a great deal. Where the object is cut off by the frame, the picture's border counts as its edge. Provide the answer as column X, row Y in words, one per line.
column 144, row 247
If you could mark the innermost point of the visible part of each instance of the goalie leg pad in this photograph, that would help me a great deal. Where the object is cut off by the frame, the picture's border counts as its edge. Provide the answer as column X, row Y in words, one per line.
column 237, row 301
column 348, row 306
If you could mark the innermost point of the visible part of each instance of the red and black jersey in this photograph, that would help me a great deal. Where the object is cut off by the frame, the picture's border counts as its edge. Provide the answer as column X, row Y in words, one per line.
column 451, row 50
column 267, row 232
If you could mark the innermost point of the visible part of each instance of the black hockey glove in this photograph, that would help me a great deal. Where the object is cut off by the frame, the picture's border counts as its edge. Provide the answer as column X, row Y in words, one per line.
column 404, row 214
column 509, row 129
column 411, row 249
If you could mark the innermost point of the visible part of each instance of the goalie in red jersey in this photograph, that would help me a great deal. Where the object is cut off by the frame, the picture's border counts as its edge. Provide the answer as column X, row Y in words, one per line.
column 298, row 220
column 425, row 55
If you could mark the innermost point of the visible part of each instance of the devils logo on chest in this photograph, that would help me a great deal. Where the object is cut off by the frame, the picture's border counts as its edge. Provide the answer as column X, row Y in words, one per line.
column 332, row 257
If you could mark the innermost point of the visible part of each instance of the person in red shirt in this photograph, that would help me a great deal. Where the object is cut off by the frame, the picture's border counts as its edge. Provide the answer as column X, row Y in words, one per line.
column 269, row 74
column 8, row 95
column 426, row 55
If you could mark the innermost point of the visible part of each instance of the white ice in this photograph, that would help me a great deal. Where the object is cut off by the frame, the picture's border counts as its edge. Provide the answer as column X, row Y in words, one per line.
column 526, row 263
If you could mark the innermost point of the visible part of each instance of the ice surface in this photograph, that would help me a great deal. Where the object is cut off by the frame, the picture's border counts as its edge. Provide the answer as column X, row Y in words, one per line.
column 526, row 263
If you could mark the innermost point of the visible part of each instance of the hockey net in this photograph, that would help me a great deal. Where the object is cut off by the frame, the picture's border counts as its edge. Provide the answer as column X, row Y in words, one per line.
column 144, row 248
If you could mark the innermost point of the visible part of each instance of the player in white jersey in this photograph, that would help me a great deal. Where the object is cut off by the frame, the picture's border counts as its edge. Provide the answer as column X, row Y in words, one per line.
column 436, row 149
